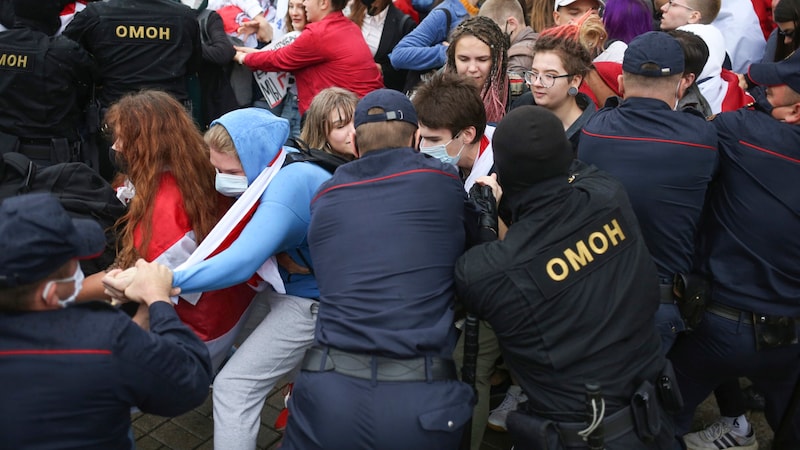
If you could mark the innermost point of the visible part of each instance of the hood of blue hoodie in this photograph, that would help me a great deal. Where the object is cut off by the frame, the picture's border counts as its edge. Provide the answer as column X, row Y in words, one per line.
column 258, row 136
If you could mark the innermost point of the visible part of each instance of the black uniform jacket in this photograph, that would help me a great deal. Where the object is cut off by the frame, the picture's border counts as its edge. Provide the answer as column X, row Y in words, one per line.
column 570, row 292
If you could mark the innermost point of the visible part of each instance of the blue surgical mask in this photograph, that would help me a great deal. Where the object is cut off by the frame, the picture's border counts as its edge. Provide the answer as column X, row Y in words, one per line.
column 77, row 279
column 440, row 152
column 230, row 185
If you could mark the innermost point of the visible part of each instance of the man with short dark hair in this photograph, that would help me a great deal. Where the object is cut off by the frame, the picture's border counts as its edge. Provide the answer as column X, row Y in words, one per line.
column 751, row 251
column 452, row 125
column 385, row 233
column 570, row 293
column 70, row 375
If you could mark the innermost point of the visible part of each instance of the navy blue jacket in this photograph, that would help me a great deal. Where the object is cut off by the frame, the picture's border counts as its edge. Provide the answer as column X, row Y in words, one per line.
column 385, row 234
column 666, row 160
column 753, row 232
column 69, row 377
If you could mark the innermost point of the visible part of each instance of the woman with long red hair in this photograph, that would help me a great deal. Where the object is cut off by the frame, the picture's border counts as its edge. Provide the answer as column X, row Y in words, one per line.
column 168, row 179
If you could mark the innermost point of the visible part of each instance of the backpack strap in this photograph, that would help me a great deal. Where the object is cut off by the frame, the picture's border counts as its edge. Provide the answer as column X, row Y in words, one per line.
column 449, row 20
column 321, row 158
column 202, row 19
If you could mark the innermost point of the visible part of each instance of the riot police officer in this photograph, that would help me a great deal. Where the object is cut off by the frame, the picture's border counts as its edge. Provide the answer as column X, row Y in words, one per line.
column 138, row 44
column 44, row 86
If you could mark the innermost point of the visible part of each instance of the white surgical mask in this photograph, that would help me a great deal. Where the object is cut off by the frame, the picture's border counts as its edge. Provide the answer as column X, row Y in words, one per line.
column 76, row 278
column 440, row 152
column 230, row 185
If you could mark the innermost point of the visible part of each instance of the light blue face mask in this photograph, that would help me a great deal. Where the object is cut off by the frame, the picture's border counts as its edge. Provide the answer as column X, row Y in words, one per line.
column 440, row 152
column 230, row 185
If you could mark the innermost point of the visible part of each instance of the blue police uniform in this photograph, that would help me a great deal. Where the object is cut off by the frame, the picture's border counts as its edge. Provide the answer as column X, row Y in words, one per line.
column 385, row 233
column 751, row 248
column 69, row 377
column 666, row 160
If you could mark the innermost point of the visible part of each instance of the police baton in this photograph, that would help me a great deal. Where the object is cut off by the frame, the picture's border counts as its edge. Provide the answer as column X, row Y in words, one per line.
column 469, row 368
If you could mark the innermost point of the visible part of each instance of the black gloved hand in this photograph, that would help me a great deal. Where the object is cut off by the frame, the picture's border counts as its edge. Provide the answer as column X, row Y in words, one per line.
column 483, row 198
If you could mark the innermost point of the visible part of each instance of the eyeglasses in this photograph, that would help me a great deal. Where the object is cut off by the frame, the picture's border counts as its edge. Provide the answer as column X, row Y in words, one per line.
column 674, row 3
column 545, row 79
column 786, row 33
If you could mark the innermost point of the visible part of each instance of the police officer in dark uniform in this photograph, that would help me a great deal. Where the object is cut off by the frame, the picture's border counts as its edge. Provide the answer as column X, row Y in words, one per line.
column 664, row 158
column 570, row 292
column 385, row 233
column 138, row 44
column 752, row 249
column 44, row 86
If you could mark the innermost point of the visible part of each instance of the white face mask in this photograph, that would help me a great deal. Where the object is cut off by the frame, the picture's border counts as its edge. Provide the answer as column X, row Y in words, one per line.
column 77, row 279
column 230, row 185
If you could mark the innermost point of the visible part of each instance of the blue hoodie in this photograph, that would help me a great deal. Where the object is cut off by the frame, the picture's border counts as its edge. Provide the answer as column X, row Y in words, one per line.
column 281, row 220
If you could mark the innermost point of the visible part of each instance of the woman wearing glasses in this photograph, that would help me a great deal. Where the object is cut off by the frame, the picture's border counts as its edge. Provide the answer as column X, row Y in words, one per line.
column 559, row 67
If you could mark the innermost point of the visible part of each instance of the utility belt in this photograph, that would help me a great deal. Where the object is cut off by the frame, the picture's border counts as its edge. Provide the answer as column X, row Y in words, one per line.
column 645, row 416
column 770, row 331
column 44, row 151
column 378, row 368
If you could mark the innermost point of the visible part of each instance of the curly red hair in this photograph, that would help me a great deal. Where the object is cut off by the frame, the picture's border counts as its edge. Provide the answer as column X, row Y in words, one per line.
column 157, row 134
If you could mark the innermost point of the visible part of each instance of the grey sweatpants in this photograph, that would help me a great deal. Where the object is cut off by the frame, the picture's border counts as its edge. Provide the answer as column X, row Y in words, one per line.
column 272, row 350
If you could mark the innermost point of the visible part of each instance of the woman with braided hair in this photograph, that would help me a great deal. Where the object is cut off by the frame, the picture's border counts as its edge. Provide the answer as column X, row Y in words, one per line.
column 479, row 49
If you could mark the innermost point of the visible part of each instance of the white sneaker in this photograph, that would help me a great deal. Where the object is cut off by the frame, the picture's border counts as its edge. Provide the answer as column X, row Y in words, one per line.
column 719, row 436
column 497, row 418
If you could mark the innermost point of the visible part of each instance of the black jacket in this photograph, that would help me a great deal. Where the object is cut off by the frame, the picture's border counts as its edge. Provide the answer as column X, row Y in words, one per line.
column 44, row 84
column 396, row 26
column 139, row 44
column 570, row 292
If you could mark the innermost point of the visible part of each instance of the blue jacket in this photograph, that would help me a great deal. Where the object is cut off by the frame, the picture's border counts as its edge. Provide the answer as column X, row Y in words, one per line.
column 752, row 238
column 69, row 377
column 281, row 220
column 666, row 160
column 422, row 49
column 385, row 234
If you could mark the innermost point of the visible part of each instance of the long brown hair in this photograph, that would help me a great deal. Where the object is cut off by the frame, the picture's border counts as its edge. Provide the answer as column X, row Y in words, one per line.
column 157, row 134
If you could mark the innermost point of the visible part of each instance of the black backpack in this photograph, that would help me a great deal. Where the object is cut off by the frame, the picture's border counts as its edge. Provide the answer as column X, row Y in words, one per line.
column 81, row 190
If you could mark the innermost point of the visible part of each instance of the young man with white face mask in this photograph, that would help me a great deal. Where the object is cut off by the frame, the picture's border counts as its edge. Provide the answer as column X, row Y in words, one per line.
column 664, row 158
column 79, row 369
